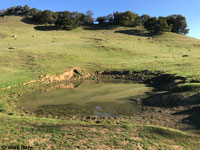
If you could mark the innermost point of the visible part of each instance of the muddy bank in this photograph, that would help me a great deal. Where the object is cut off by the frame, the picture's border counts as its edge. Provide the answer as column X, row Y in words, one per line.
column 160, row 81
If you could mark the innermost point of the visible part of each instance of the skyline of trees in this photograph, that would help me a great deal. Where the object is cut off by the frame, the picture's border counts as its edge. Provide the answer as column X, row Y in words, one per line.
column 70, row 20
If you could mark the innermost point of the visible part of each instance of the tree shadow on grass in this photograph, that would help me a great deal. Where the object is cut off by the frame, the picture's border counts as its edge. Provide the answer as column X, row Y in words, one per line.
column 100, row 27
column 46, row 28
column 28, row 21
column 137, row 32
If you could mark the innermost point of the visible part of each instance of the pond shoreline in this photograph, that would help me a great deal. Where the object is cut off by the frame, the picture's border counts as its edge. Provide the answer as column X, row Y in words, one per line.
column 161, row 99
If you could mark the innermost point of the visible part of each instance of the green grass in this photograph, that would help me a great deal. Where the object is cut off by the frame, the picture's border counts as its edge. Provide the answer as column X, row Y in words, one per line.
column 153, row 135
column 42, row 133
column 53, row 52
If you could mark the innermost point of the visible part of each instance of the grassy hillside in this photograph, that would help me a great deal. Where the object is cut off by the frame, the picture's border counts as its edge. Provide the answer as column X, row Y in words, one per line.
column 42, row 50
column 58, row 134
column 28, row 51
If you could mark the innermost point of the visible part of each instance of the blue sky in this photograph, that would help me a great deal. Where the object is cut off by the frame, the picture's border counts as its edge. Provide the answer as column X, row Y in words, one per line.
column 189, row 8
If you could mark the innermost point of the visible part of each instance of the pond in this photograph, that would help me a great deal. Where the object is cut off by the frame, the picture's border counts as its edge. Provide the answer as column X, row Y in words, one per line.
column 100, row 98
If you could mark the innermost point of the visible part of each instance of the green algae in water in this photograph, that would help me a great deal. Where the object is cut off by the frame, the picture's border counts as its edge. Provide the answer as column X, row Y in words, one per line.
column 101, row 98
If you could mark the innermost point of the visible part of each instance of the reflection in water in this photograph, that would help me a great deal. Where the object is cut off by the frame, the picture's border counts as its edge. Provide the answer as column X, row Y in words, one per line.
column 101, row 109
column 109, row 99
column 100, row 113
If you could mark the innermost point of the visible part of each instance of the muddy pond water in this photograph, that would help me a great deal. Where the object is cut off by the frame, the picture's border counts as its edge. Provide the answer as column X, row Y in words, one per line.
column 99, row 97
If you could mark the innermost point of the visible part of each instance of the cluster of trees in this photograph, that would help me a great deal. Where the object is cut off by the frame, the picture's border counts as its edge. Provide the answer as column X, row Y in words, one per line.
column 172, row 23
column 157, row 25
column 18, row 10
column 105, row 19
column 64, row 19
column 70, row 20
column 127, row 18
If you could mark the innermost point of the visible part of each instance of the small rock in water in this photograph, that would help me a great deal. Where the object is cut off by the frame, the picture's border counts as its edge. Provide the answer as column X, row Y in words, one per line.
column 186, row 121
column 98, row 107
